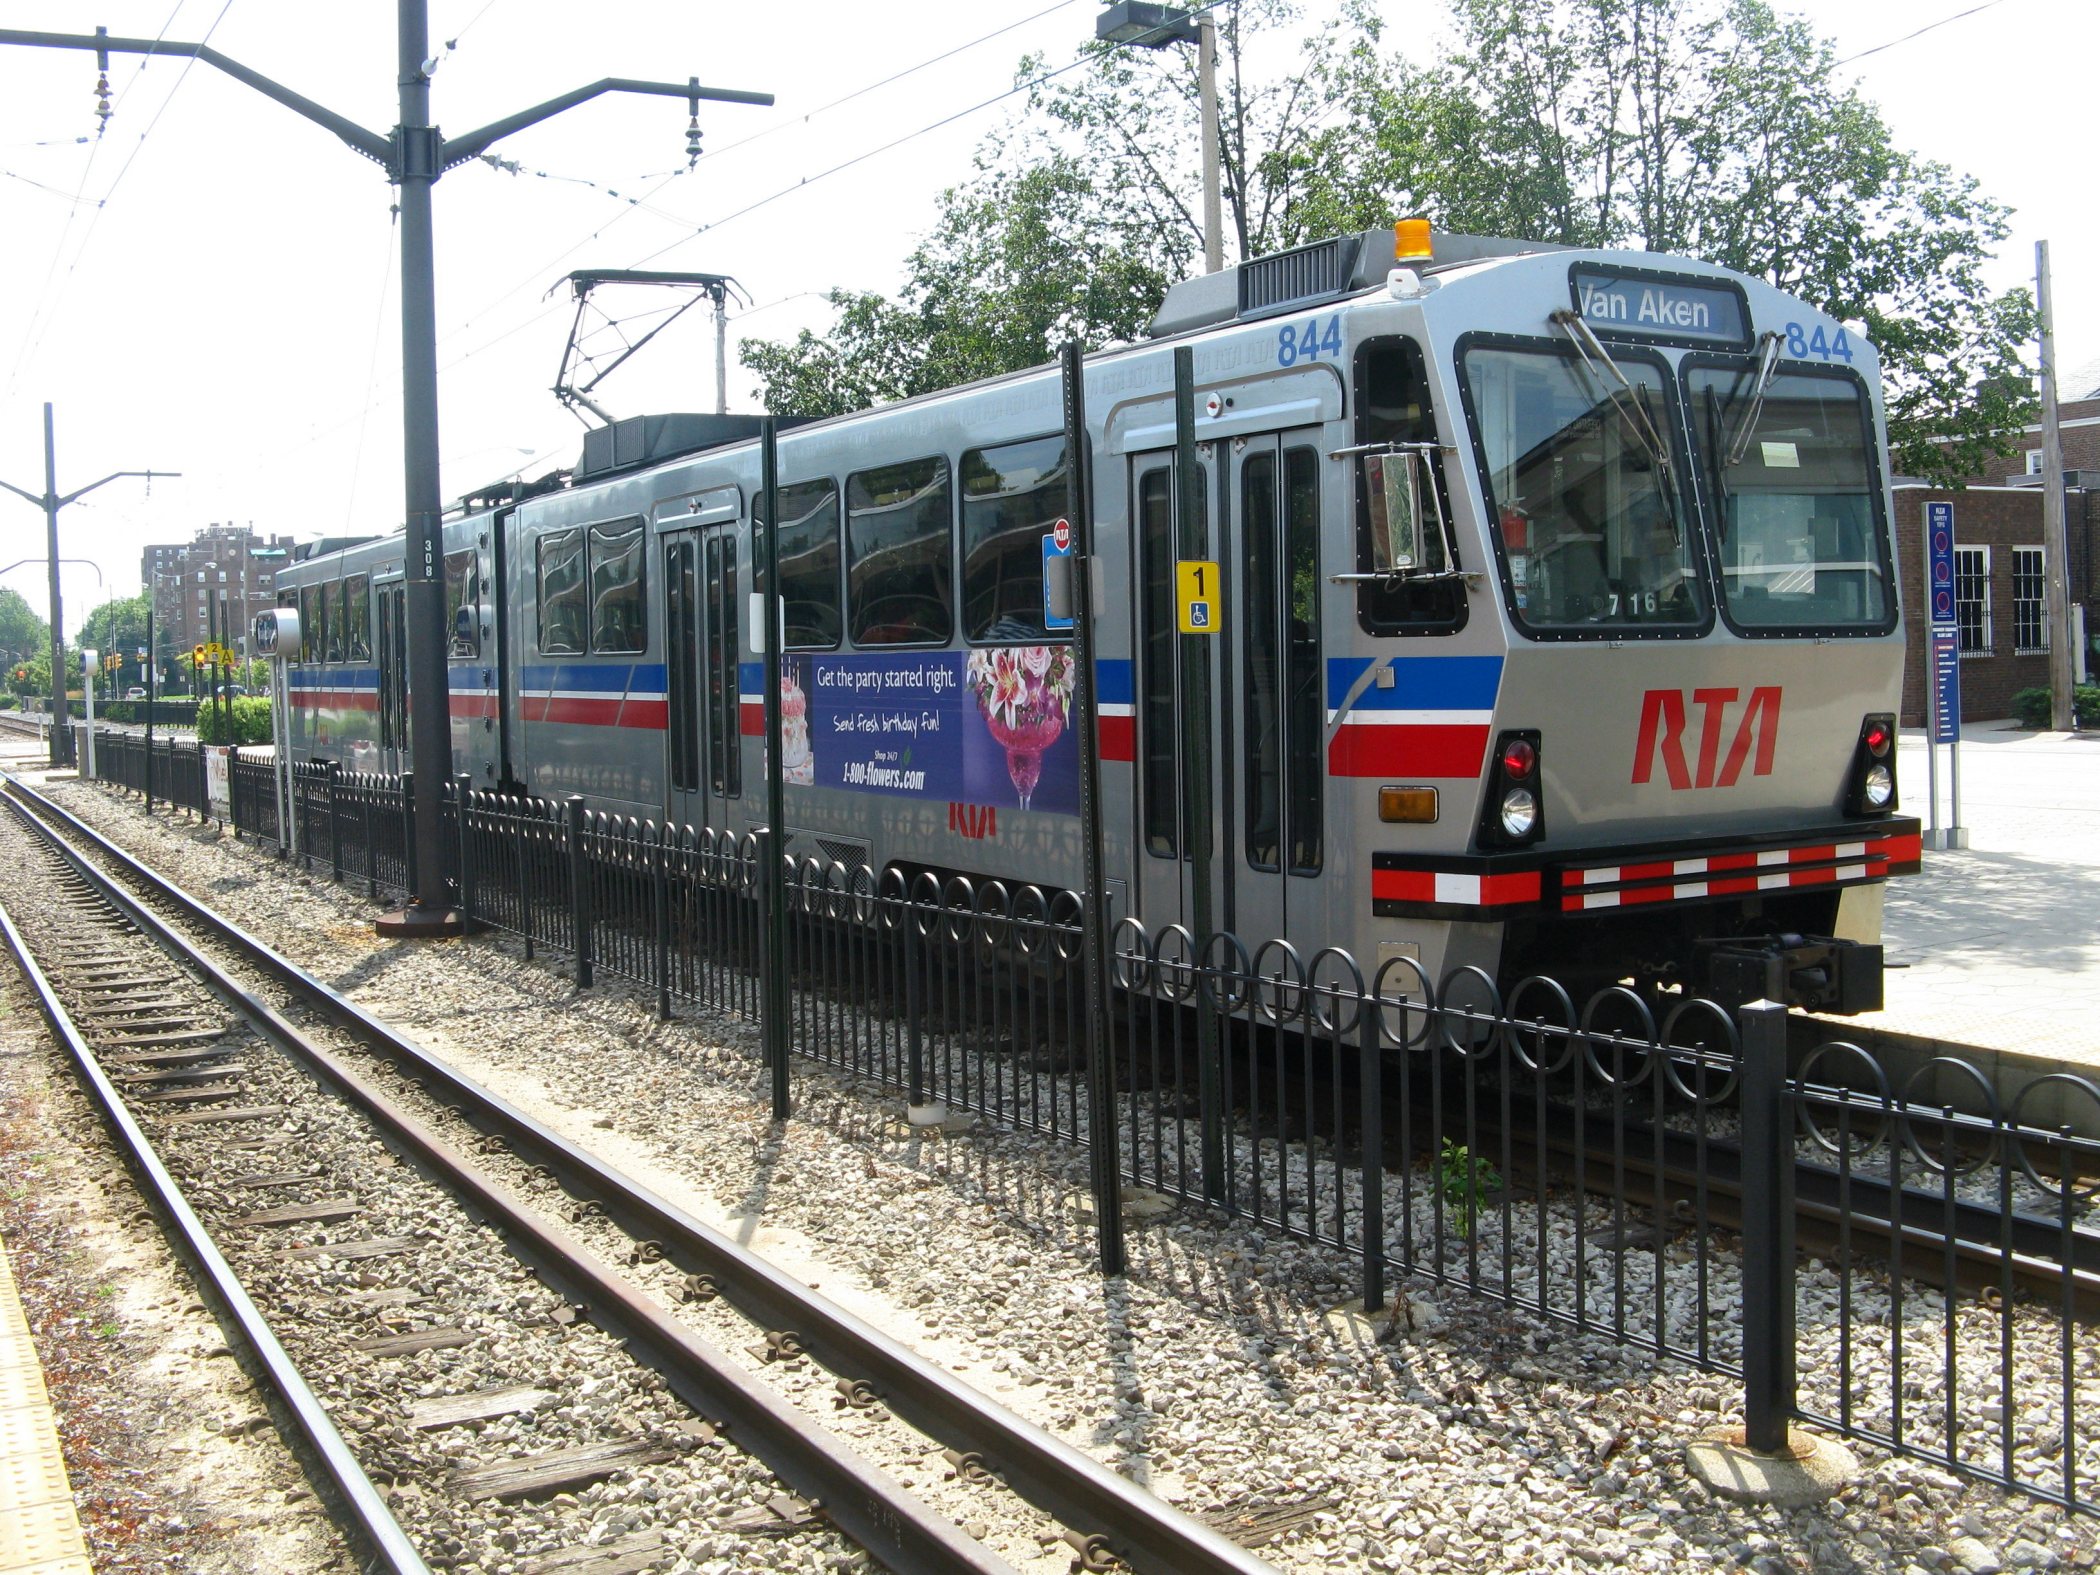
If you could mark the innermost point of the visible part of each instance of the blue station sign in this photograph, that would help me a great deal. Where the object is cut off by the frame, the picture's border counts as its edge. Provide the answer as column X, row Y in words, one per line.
column 1660, row 306
column 1939, row 563
column 1946, row 685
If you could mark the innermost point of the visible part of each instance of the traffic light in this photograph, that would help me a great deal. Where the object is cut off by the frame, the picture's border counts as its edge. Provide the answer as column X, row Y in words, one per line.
column 197, row 655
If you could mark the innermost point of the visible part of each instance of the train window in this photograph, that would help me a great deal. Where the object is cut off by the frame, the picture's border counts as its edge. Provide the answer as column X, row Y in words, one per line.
column 682, row 659
column 1393, row 406
column 1589, row 517
column 311, row 603
column 357, row 618
column 1282, row 618
column 462, row 589
column 899, row 536
column 561, row 593
column 1011, row 497
column 809, row 561
column 1164, row 808
column 337, row 620
column 1796, row 498
column 619, row 616
column 725, row 772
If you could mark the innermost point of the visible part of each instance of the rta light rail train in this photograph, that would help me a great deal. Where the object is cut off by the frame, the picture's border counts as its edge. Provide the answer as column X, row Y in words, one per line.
column 1555, row 626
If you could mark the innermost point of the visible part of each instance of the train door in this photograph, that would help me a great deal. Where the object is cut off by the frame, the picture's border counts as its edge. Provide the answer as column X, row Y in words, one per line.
column 1272, row 623
column 391, row 651
column 703, row 735
column 1163, row 702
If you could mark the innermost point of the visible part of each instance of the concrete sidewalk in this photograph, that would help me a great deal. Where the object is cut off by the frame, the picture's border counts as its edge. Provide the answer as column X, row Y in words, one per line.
column 2002, row 940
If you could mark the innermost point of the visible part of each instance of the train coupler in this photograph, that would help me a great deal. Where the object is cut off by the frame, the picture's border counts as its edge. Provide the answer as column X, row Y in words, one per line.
column 1813, row 972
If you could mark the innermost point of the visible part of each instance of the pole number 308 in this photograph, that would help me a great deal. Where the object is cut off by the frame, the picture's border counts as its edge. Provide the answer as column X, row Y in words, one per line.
column 1309, row 340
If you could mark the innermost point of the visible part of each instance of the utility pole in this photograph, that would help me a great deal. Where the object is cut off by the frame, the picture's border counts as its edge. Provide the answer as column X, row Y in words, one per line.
column 414, row 155
column 2055, row 548
column 50, row 501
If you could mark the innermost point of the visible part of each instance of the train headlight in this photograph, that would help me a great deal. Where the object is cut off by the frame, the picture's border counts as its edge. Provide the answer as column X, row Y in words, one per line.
column 1513, row 814
column 1520, row 812
column 1879, row 789
column 1871, row 787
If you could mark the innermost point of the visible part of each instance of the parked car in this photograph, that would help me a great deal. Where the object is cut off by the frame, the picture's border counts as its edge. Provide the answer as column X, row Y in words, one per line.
column 135, row 692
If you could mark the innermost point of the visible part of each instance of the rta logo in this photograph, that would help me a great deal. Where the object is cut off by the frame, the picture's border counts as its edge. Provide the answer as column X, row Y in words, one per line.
column 1662, row 733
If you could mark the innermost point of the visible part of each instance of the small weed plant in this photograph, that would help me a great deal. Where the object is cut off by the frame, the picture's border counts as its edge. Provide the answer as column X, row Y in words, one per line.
column 1465, row 1181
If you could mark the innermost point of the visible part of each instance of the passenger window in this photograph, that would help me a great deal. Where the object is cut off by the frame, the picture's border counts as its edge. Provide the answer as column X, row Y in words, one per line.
column 899, row 527
column 619, row 616
column 561, row 593
column 357, row 618
column 1012, row 496
column 310, row 623
column 1393, row 406
column 335, row 618
column 462, row 589
column 1165, row 807
column 809, row 561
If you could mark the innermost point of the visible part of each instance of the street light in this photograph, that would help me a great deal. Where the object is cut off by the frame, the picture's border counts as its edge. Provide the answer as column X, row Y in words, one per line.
column 1141, row 24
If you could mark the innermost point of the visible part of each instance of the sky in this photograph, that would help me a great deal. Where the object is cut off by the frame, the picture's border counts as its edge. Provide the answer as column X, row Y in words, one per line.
column 211, row 286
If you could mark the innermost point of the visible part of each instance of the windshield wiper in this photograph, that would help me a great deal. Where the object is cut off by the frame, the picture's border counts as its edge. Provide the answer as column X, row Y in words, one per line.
column 1767, row 366
column 1626, row 398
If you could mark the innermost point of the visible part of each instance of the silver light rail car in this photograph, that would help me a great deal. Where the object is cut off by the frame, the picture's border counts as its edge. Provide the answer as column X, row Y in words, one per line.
column 1556, row 623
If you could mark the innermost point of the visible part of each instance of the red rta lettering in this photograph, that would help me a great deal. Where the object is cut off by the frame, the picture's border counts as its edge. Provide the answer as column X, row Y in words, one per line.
column 1663, row 720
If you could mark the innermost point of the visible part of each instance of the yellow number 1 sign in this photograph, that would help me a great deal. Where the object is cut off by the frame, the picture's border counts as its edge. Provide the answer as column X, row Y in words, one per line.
column 1197, row 583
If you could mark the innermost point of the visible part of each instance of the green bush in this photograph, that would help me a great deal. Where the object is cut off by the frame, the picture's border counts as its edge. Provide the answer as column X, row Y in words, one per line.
column 249, row 716
column 2031, row 707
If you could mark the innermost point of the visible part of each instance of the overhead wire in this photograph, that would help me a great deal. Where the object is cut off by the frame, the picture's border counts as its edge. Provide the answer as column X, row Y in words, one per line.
column 1918, row 33
column 895, row 142
column 357, row 454
column 40, row 319
column 540, row 271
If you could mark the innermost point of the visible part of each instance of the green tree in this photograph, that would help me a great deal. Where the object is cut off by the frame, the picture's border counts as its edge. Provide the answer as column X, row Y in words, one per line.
column 1712, row 128
column 21, row 630
column 1715, row 129
column 117, row 629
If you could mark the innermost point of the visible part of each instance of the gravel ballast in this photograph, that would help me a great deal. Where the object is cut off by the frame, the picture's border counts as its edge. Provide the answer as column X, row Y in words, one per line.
column 1477, row 1439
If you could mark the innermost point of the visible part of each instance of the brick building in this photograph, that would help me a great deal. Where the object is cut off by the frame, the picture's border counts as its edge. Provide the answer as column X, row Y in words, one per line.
column 228, row 564
column 2000, row 589
column 2001, row 592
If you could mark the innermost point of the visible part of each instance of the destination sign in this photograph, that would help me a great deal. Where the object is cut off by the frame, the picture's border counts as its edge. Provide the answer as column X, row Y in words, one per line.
column 1661, row 308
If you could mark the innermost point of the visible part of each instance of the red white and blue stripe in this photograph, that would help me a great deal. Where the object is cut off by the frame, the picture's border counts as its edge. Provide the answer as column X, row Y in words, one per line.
column 595, row 694
column 1433, row 721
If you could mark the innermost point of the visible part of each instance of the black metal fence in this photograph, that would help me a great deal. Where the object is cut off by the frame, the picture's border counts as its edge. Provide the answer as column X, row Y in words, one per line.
column 1910, row 1264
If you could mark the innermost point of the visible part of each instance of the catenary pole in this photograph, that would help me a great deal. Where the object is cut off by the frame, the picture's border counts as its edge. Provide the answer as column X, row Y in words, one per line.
column 414, row 156
column 2055, row 547
column 50, row 500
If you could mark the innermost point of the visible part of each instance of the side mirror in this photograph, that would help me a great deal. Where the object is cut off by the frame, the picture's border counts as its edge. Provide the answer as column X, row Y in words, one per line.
column 1399, row 543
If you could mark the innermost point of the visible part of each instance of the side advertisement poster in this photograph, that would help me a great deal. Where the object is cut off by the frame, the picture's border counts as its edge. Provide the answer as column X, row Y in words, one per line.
column 989, row 727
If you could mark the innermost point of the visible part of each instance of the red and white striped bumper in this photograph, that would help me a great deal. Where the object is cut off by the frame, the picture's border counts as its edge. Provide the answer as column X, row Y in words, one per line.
column 1507, row 886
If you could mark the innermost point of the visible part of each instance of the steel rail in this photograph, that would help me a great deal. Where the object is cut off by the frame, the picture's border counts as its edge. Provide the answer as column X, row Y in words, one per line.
column 864, row 1502
column 372, row 1523
column 1062, row 1481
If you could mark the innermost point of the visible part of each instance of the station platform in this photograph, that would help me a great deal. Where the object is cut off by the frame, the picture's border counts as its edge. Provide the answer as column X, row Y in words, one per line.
column 39, row 1531
column 1996, row 946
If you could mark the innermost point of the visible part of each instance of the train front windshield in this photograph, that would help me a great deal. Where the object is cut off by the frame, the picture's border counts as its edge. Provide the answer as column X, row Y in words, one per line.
column 1793, row 482
column 1601, row 530
column 1584, row 491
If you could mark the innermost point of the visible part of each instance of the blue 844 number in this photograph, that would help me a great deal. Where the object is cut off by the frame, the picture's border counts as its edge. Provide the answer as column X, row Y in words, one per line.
column 1819, row 344
column 1308, row 341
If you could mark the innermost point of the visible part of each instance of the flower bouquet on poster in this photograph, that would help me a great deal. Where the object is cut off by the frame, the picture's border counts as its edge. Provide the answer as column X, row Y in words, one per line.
column 1024, row 694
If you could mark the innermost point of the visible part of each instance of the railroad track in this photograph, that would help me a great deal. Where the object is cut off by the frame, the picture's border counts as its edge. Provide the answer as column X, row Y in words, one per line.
column 213, row 1074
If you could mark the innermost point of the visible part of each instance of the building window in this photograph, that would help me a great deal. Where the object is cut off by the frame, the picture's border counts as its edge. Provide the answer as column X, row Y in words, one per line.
column 2030, row 602
column 1972, row 599
column 2034, row 461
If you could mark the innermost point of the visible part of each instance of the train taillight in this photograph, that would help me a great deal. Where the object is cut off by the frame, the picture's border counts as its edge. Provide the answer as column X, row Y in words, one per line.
column 1515, row 812
column 1873, row 783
